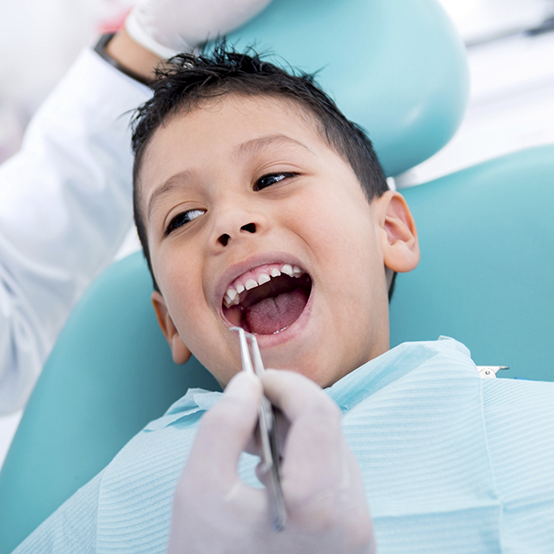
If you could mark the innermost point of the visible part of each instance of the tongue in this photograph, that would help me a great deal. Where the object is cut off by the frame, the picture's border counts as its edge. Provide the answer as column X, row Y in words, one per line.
column 271, row 315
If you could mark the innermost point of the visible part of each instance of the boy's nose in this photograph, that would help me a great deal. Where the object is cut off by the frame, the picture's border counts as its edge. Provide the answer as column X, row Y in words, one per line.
column 248, row 228
column 236, row 220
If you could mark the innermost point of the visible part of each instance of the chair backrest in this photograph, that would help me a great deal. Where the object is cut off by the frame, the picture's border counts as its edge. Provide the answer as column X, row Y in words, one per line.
column 485, row 276
column 397, row 68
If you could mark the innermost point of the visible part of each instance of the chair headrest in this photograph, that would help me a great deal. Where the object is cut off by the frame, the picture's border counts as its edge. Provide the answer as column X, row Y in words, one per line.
column 398, row 69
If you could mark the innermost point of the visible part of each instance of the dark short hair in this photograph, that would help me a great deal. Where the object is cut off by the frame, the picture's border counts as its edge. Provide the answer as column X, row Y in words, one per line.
column 189, row 80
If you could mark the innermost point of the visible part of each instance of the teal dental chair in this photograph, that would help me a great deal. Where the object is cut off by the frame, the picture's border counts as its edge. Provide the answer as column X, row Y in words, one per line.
column 486, row 235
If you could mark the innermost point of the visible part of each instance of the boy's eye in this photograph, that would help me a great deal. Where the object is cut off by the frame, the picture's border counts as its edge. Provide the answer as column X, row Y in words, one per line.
column 183, row 218
column 271, row 179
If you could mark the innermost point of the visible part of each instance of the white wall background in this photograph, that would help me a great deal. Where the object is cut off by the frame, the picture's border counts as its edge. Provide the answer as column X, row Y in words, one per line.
column 512, row 94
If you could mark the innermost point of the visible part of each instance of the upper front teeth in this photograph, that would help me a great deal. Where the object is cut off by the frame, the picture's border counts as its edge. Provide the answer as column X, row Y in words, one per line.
column 287, row 270
column 231, row 294
column 231, row 297
column 263, row 278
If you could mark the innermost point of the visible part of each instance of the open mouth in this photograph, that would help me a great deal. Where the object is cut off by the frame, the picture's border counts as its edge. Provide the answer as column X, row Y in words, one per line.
column 267, row 299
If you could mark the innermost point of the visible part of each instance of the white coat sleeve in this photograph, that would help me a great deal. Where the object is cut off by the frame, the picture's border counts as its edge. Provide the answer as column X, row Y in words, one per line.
column 65, row 208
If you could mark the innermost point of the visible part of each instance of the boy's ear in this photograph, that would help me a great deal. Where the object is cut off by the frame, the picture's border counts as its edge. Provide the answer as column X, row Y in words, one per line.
column 398, row 232
column 180, row 352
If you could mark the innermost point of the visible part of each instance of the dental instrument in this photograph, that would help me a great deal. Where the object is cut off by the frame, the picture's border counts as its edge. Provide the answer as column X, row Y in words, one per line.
column 268, row 430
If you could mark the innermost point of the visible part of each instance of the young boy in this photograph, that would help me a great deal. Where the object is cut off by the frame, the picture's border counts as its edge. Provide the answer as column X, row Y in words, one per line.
column 259, row 205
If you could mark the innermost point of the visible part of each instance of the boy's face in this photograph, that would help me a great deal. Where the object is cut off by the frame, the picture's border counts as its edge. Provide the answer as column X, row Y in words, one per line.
column 244, row 189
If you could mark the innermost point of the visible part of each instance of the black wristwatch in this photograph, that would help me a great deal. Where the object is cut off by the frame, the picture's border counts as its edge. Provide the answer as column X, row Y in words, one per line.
column 100, row 49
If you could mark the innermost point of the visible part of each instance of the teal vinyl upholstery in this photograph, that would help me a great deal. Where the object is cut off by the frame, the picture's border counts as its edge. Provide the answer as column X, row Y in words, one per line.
column 487, row 259
column 399, row 69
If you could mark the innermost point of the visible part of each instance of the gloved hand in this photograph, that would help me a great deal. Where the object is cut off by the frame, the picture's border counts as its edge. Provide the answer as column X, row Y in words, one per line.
column 214, row 511
column 166, row 27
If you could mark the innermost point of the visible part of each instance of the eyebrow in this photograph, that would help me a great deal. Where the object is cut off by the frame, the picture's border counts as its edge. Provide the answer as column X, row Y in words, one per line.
column 174, row 182
column 252, row 146
column 257, row 144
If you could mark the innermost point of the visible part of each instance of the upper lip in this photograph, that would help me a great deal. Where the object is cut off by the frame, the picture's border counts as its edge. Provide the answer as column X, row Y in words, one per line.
column 252, row 262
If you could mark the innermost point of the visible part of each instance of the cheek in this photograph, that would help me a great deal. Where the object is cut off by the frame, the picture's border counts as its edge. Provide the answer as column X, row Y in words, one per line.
column 180, row 281
column 347, row 249
column 340, row 233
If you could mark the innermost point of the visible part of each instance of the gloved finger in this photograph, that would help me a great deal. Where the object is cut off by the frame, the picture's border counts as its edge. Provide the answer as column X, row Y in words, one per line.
column 293, row 393
column 225, row 430
column 166, row 27
column 254, row 445
column 315, row 462
column 322, row 483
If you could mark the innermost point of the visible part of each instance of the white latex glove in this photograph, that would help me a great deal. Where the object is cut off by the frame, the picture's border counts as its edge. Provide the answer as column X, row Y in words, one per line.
column 166, row 27
column 215, row 512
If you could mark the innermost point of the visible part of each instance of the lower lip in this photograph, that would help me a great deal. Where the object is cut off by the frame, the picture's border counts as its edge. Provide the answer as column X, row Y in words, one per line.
column 291, row 332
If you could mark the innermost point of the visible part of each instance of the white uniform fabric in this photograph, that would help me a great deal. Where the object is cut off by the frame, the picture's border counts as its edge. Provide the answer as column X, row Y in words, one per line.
column 451, row 463
column 65, row 209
